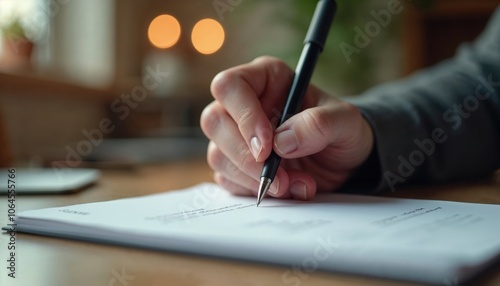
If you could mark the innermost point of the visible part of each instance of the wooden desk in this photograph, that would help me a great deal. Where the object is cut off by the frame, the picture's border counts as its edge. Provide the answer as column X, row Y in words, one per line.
column 51, row 261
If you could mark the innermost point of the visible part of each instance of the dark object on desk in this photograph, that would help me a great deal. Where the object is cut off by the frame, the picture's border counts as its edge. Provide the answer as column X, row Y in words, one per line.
column 123, row 152
column 46, row 181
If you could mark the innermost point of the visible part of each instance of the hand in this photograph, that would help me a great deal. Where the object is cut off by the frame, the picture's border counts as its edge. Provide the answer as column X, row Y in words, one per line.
column 321, row 146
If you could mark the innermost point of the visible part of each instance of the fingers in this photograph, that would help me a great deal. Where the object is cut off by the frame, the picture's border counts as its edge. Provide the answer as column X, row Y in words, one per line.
column 338, row 125
column 302, row 186
column 223, row 131
column 232, row 178
column 232, row 187
column 228, row 175
column 237, row 171
column 229, row 155
column 249, row 93
column 305, row 133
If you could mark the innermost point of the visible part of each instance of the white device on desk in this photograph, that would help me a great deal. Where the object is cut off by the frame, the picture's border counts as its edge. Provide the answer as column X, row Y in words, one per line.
column 46, row 181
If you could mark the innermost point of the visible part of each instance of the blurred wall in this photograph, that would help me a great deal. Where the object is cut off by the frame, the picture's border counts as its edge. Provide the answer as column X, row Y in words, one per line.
column 82, row 41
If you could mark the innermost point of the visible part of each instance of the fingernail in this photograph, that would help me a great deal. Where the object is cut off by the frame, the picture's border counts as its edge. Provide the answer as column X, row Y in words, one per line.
column 299, row 191
column 256, row 147
column 286, row 141
column 275, row 187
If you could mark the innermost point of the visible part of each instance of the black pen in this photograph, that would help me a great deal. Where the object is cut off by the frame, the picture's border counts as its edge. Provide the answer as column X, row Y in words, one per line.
column 313, row 46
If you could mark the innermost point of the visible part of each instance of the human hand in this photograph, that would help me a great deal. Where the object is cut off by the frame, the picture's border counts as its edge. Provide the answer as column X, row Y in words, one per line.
column 321, row 146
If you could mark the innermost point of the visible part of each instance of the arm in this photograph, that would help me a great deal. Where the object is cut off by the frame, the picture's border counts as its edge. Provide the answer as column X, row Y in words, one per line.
column 442, row 123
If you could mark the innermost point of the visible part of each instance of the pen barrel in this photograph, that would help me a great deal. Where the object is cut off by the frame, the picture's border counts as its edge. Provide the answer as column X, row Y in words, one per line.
column 313, row 46
column 300, row 83
column 271, row 166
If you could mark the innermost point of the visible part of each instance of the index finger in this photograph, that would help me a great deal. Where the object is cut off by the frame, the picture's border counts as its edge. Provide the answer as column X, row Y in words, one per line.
column 247, row 92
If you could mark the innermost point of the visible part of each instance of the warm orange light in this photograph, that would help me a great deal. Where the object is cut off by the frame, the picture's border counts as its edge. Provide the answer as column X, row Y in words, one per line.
column 164, row 31
column 207, row 36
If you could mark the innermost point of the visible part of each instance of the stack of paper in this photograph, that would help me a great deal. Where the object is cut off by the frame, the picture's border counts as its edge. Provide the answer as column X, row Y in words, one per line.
column 417, row 240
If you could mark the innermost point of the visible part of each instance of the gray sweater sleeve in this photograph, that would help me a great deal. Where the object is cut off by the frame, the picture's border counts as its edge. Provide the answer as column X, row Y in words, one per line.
column 440, row 124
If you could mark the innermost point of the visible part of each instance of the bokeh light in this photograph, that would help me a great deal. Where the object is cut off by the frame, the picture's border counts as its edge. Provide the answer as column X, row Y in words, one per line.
column 207, row 36
column 164, row 31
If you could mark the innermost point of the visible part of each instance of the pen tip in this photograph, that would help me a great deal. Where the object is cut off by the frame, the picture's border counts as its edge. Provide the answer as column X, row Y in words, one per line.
column 259, row 200
column 265, row 183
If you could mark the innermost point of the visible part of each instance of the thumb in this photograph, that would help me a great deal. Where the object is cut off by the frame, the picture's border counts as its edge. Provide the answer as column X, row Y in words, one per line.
column 313, row 129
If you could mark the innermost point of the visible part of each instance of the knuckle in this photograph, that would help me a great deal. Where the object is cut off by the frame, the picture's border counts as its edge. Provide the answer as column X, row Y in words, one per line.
column 221, row 82
column 231, row 169
column 215, row 157
column 276, row 67
column 318, row 122
column 227, row 183
column 220, row 163
column 266, row 59
column 245, row 159
column 245, row 116
column 210, row 119
column 224, row 182
column 221, row 180
column 352, row 110
column 279, row 68
column 353, row 117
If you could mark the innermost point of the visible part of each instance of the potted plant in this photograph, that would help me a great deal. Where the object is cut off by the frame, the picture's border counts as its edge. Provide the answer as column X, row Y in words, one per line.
column 17, row 47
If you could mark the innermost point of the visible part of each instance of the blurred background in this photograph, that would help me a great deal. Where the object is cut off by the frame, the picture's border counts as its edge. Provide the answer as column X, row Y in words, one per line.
column 118, row 82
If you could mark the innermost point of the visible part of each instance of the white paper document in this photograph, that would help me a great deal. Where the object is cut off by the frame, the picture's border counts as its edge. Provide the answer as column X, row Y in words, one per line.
column 418, row 240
